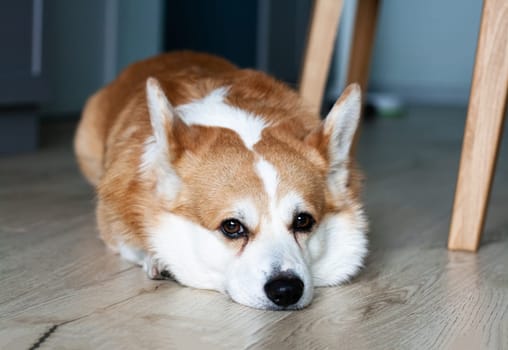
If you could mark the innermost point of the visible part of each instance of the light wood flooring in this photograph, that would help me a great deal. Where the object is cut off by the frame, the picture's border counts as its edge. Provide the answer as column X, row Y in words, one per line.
column 61, row 289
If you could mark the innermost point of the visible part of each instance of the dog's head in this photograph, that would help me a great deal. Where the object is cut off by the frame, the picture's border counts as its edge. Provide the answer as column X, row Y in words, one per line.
column 249, row 209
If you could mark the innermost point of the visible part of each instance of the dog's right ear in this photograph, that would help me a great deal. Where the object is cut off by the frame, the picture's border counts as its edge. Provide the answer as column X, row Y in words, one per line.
column 166, row 144
column 162, row 113
column 168, row 128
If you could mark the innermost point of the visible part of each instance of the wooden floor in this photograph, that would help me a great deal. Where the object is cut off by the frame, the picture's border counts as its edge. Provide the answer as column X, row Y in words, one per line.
column 61, row 289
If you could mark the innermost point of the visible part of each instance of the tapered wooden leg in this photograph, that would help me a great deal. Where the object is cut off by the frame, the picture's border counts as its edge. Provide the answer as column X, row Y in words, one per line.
column 483, row 128
column 363, row 42
column 318, row 53
column 361, row 49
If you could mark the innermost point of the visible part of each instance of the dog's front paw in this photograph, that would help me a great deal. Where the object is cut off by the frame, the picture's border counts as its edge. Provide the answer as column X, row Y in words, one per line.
column 155, row 270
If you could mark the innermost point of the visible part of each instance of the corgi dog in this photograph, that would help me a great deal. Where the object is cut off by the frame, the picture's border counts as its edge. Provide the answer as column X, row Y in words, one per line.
column 221, row 178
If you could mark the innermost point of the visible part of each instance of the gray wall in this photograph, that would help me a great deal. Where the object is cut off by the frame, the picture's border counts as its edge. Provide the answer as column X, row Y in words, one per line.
column 72, row 52
column 139, row 30
column 86, row 43
column 425, row 49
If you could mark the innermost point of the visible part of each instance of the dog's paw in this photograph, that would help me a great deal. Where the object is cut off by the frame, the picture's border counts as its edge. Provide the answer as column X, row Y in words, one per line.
column 155, row 270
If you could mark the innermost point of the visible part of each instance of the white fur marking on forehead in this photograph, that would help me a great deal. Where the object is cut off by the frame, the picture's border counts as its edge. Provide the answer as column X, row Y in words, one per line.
column 269, row 177
column 290, row 204
column 213, row 111
column 246, row 211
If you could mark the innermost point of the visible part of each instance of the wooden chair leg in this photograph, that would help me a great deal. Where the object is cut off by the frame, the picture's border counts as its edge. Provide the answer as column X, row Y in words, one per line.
column 363, row 42
column 361, row 49
column 483, row 128
column 318, row 53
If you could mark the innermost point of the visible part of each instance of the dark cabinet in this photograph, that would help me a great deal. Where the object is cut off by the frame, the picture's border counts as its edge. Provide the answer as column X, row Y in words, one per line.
column 22, row 85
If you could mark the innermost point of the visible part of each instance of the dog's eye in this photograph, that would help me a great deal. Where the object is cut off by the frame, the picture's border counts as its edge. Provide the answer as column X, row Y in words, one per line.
column 303, row 222
column 233, row 228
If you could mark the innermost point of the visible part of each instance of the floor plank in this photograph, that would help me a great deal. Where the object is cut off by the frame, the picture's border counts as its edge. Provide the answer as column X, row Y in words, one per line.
column 57, row 276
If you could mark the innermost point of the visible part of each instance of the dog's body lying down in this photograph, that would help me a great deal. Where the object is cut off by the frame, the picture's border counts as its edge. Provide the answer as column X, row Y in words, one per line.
column 223, row 179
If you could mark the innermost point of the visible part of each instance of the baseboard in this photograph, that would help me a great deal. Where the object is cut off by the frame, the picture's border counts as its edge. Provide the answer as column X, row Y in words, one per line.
column 418, row 95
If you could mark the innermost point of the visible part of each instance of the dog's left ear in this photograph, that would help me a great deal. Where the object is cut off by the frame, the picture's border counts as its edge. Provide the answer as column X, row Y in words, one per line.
column 334, row 137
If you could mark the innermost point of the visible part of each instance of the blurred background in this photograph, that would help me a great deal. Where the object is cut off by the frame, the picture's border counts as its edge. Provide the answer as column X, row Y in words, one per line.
column 56, row 53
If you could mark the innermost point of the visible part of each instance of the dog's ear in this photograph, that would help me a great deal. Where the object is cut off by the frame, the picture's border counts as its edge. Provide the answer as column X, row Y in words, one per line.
column 162, row 113
column 168, row 129
column 334, row 137
column 341, row 123
column 166, row 144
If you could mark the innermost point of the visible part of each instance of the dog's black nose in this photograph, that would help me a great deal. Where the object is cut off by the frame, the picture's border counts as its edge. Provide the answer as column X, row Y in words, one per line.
column 284, row 290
